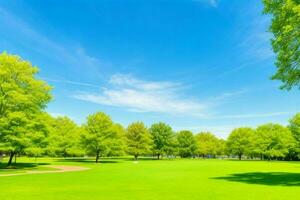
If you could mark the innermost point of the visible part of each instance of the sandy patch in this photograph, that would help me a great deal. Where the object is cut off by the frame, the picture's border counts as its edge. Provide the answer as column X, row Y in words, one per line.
column 60, row 169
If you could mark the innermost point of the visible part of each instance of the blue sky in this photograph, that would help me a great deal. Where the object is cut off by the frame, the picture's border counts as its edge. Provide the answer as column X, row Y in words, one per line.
column 202, row 65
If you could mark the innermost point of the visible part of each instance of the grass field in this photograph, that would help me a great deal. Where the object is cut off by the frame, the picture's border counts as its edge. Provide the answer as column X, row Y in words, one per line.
column 122, row 179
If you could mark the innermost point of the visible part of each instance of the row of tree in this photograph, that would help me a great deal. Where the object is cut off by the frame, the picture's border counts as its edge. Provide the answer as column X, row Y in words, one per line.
column 101, row 137
column 26, row 129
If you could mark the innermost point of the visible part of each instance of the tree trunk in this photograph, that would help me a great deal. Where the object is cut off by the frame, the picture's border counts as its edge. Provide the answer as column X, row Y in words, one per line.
column 135, row 157
column 97, row 157
column 10, row 158
column 240, row 156
column 158, row 156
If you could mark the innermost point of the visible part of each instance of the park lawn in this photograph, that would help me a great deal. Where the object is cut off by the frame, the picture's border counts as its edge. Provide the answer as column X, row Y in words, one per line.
column 123, row 179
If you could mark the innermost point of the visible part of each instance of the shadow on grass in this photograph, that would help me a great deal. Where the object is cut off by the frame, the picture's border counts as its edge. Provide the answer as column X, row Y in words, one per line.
column 83, row 160
column 21, row 165
column 103, row 160
column 265, row 178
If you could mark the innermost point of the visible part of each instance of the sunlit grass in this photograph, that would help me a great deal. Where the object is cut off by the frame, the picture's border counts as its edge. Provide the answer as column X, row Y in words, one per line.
column 119, row 179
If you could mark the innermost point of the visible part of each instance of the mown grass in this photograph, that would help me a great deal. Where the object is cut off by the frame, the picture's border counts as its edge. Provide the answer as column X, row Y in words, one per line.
column 120, row 179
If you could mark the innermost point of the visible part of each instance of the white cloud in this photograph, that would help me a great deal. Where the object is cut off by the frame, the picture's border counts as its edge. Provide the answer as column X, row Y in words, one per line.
column 144, row 96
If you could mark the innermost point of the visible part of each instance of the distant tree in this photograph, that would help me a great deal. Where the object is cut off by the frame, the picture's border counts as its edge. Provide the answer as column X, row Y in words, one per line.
column 186, row 144
column 207, row 144
column 64, row 138
column 39, row 130
column 138, row 139
column 286, row 44
column 221, row 148
column 273, row 140
column 99, row 136
column 162, row 136
column 22, row 99
column 239, row 141
column 120, row 144
column 294, row 127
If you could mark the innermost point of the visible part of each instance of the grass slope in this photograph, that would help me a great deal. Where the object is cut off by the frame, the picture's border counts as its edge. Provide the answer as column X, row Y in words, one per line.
column 122, row 179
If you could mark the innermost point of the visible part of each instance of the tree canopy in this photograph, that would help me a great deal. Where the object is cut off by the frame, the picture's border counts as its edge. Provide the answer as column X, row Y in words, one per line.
column 138, row 139
column 286, row 43
column 207, row 144
column 239, row 141
column 162, row 136
column 186, row 143
column 99, row 137
column 273, row 140
column 22, row 99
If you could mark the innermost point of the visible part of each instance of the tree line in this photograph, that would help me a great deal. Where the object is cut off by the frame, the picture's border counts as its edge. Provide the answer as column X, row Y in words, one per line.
column 26, row 129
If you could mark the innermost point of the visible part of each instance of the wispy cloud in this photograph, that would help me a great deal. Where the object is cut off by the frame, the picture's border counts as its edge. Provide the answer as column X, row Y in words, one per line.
column 63, row 81
column 256, row 42
column 251, row 115
column 138, row 95
column 212, row 3
column 72, row 56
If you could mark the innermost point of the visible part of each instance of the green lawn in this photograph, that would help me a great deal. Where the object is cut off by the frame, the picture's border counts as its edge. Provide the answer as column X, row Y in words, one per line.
column 122, row 179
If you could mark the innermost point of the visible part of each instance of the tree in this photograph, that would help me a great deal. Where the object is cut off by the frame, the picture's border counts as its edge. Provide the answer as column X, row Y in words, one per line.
column 38, row 134
column 22, row 98
column 64, row 138
column 207, row 144
column 221, row 147
column 162, row 135
column 186, row 144
column 239, row 141
column 138, row 139
column 286, row 44
column 273, row 140
column 294, row 127
column 119, row 148
column 99, row 136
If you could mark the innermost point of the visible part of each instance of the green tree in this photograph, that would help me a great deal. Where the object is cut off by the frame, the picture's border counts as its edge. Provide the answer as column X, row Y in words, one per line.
column 221, row 148
column 64, row 138
column 39, row 131
column 294, row 126
column 120, row 146
column 99, row 137
column 239, row 141
column 162, row 136
column 286, row 44
column 273, row 140
column 138, row 139
column 22, row 98
column 207, row 144
column 186, row 144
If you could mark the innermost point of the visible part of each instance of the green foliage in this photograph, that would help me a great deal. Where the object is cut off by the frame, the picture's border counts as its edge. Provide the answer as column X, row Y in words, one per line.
column 64, row 138
column 22, row 99
column 294, row 127
column 239, row 141
column 207, row 144
column 162, row 136
column 100, row 137
column 138, row 139
column 286, row 43
column 273, row 140
column 186, row 144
